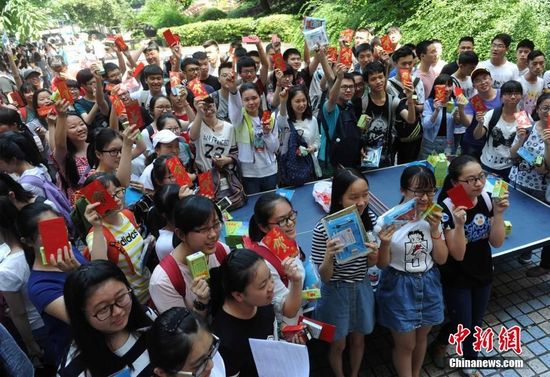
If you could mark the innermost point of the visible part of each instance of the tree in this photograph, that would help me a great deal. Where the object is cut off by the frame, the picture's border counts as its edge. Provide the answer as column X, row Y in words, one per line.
column 22, row 19
column 94, row 13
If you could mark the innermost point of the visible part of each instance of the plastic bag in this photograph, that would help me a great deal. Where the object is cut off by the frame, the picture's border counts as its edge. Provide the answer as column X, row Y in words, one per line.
column 321, row 193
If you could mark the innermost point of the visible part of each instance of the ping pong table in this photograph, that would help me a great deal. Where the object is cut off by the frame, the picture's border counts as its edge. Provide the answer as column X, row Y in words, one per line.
column 530, row 217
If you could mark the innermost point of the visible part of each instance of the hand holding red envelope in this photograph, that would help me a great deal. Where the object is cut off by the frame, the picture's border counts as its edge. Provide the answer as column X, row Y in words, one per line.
column 279, row 61
column 119, row 42
column 95, row 192
column 332, row 54
column 54, row 235
column 179, row 172
column 170, row 38
column 206, row 185
column 386, row 44
column 459, row 197
column 405, row 76
column 346, row 56
column 280, row 245
column 522, row 119
column 138, row 69
column 133, row 111
column 197, row 88
column 478, row 104
column 440, row 91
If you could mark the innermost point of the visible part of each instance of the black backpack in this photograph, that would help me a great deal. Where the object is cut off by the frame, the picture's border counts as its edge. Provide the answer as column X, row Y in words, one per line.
column 472, row 146
column 295, row 169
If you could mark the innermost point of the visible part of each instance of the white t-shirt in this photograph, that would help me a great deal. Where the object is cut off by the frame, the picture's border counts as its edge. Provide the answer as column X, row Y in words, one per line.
column 466, row 85
column 531, row 93
column 496, row 152
column 502, row 73
column 211, row 142
column 546, row 79
column 164, row 244
column 411, row 247
column 14, row 274
column 145, row 178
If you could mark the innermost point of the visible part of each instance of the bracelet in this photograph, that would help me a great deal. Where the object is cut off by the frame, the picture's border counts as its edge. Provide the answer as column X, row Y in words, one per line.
column 438, row 237
column 199, row 305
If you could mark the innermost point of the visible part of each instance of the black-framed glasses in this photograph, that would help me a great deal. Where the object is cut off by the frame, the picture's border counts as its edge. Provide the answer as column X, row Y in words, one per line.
column 286, row 220
column 473, row 180
column 206, row 229
column 420, row 193
column 113, row 152
column 121, row 301
column 204, row 362
column 119, row 193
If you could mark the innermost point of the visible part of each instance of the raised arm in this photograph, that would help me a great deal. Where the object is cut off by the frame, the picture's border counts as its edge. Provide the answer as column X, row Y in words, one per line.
column 99, row 94
column 124, row 170
column 60, row 134
column 264, row 62
column 195, row 131
column 335, row 90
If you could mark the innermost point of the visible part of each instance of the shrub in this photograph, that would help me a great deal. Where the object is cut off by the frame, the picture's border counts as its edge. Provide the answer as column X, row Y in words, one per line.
column 212, row 14
column 222, row 31
column 246, row 9
column 284, row 25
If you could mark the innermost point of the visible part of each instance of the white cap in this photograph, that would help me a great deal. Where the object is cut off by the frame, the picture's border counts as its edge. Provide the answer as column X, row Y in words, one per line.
column 164, row 137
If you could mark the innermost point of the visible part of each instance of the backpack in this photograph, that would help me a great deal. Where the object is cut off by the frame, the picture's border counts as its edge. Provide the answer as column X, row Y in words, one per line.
column 232, row 187
column 405, row 132
column 114, row 247
column 295, row 169
column 265, row 253
column 81, row 225
column 170, row 266
column 53, row 194
column 472, row 146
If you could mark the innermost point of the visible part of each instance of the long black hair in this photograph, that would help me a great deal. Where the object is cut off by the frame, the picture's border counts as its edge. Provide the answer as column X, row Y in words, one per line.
column 442, row 79
column 8, row 184
column 71, row 178
column 170, row 340
column 7, row 223
column 263, row 210
column 21, row 147
column 35, row 105
column 342, row 180
column 91, row 343
column 194, row 211
column 453, row 173
column 424, row 176
column 293, row 92
column 99, row 140
column 159, row 170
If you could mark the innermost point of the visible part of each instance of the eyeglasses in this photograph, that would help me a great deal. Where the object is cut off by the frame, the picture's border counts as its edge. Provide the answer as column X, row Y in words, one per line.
column 113, row 152
column 121, row 301
column 545, row 109
column 286, row 220
column 167, row 107
column 206, row 230
column 175, row 130
column 226, row 75
column 119, row 193
column 204, row 363
column 421, row 193
column 482, row 79
column 193, row 69
column 347, row 87
column 248, row 72
column 473, row 180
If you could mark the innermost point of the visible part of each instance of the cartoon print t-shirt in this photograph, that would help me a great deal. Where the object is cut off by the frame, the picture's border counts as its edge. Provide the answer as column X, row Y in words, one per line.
column 411, row 247
column 496, row 152
column 476, row 268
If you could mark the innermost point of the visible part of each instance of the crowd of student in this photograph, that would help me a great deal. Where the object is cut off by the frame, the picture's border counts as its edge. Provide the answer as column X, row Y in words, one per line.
column 108, row 305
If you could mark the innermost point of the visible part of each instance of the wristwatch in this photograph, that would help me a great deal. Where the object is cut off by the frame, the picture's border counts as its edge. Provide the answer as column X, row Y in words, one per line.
column 199, row 305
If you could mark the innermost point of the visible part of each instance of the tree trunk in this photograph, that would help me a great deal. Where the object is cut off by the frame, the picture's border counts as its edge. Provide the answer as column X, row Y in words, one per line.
column 265, row 6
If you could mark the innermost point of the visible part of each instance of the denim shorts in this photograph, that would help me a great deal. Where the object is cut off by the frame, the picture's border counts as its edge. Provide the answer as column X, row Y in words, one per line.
column 348, row 306
column 407, row 301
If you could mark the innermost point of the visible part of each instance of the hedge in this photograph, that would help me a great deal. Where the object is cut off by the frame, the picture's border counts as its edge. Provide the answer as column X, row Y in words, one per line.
column 227, row 30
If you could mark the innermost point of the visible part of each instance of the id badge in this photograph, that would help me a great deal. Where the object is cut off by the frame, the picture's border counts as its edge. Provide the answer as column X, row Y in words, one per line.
column 372, row 158
column 259, row 143
column 224, row 185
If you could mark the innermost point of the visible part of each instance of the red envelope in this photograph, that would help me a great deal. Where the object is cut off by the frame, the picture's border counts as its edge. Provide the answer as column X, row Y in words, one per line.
column 15, row 98
column 175, row 79
column 251, row 39
column 478, row 104
column 133, row 111
column 54, row 236
column 206, row 185
column 138, row 69
column 45, row 110
column 522, row 119
column 266, row 117
column 346, row 56
column 332, row 54
column 279, row 61
column 459, row 197
column 280, row 245
column 458, row 91
column 197, row 88
column 440, row 91
column 95, row 192
column 118, row 105
column 64, row 92
column 119, row 42
column 386, row 44
column 405, row 76
column 327, row 330
column 248, row 243
column 548, row 122
column 178, row 171
column 347, row 35
column 170, row 38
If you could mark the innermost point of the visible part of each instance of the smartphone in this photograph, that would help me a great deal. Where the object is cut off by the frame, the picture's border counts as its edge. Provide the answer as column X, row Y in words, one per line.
column 224, row 203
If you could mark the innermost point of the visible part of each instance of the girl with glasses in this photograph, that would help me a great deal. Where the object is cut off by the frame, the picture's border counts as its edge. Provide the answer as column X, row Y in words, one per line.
column 347, row 299
column 197, row 227
column 180, row 344
column 271, row 211
column 470, row 233
column 107, row 323
column 116, row 236
column 409, row 296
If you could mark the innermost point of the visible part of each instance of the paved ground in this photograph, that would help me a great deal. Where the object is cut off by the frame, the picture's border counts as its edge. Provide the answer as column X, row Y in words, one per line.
column 516, row 300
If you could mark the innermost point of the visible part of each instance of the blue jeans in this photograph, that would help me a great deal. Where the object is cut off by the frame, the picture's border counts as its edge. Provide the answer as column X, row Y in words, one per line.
column 13, row 360
column 254, row 185
column 465, row 306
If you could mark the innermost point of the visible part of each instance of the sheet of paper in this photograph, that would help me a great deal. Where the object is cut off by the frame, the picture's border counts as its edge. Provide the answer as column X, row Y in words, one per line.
column 275, row 359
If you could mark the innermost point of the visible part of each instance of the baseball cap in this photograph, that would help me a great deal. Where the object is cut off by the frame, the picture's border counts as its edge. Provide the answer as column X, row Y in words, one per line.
column 479, row 71
column 165, row 137
column 29, row 72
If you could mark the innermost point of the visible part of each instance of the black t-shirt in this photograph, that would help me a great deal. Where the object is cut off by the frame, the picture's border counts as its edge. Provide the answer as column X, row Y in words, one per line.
column 213, row 82
column 476, row 269
column 443, row 127
column 450, row 68
column 234, row 334
column 82, row 105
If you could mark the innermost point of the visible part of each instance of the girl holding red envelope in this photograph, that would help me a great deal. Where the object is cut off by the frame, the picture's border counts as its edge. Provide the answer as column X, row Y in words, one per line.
column 469, row 233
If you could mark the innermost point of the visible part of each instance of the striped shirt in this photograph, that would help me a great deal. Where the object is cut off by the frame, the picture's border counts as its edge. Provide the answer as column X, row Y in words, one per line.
column 352, row 271
column 132, row 242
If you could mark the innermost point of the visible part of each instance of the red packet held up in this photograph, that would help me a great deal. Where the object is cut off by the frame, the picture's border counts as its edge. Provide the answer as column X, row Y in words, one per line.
column 459, row 197
column 279, row 243
column 95, row 192
column 45, row 110
column 119, row 42
column 133, row 111
column 64, row 92
column 405, row 76
column 386, row 44
column 458, row 91
column 440, row 93
column 138, row 69
column 206, row 185
column 346, row 56
column 178, row 171
column 478, row 104
column 332, row 54
column 347, row 35
column 522, row 119
column 15, row 99
column 197, row 88
column 175, row 79
column 170, row 38
column 279, row 61
column 54, row 236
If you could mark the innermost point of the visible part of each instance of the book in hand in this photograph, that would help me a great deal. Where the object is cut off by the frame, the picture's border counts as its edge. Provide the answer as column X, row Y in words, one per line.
column 54, row 235
column 347, row 227
column 316, row 38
